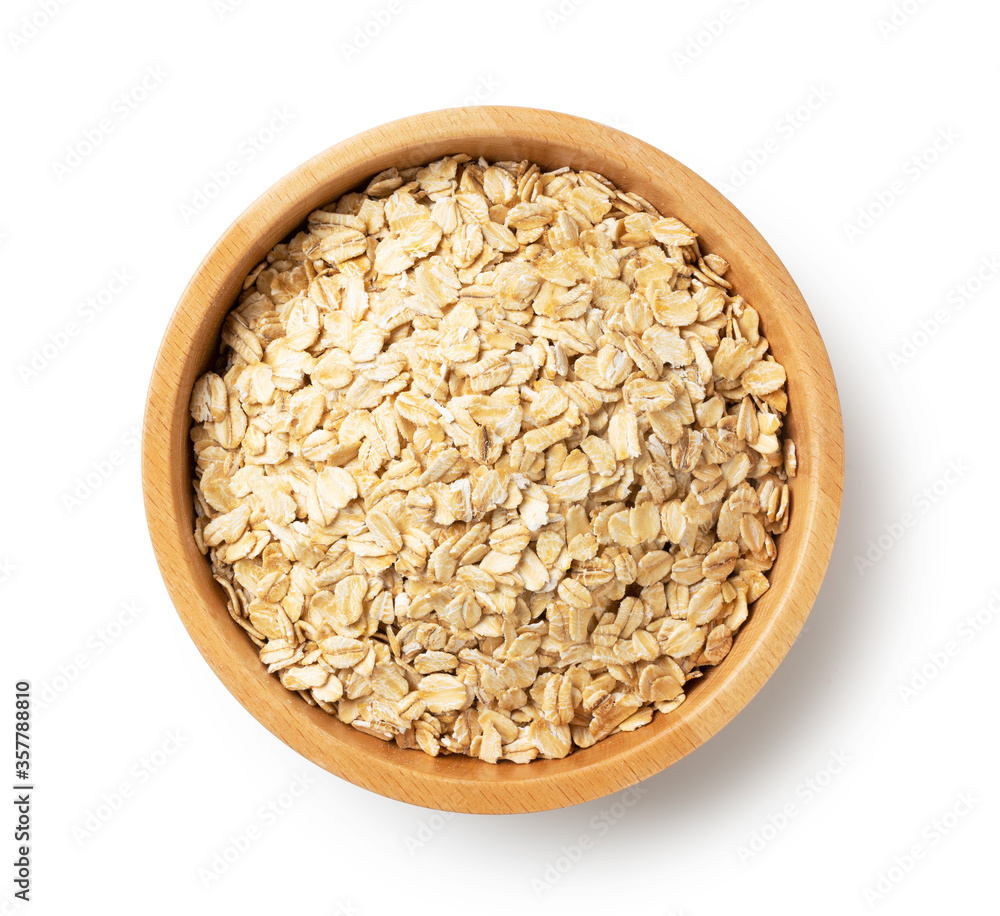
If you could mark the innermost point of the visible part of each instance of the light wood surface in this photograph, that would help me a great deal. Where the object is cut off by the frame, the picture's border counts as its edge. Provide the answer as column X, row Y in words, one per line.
column 459, row 783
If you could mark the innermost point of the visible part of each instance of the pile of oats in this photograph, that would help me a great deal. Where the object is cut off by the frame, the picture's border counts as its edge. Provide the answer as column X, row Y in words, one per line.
column 492, row 464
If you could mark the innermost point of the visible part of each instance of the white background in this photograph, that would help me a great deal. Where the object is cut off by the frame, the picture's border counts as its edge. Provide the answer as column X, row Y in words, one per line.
column 131, row 705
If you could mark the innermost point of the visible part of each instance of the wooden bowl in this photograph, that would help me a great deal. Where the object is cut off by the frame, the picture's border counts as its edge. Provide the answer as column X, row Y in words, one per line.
column 458, row 783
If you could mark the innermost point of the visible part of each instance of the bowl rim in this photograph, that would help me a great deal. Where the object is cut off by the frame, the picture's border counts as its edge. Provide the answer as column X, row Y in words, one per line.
column 457, row 783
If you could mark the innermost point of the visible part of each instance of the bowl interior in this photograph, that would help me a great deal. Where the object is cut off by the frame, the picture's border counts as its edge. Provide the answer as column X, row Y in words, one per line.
column 191, row 346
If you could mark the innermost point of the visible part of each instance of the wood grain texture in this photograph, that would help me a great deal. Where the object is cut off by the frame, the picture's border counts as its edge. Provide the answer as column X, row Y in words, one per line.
column 460, row 783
